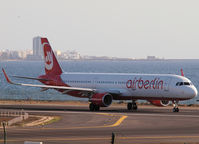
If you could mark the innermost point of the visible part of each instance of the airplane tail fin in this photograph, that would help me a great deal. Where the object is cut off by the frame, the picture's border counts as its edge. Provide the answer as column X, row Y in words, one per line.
column 182, row 73
column 52, row 66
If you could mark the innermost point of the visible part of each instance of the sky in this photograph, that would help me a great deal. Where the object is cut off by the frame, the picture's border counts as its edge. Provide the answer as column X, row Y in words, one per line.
column 115, row 28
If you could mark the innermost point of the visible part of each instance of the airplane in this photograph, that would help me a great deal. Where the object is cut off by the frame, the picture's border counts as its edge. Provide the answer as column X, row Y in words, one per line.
column 102, row 88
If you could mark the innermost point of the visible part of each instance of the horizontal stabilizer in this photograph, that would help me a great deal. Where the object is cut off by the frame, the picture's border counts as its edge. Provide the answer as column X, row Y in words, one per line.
column 32, row 78
column 7, row 78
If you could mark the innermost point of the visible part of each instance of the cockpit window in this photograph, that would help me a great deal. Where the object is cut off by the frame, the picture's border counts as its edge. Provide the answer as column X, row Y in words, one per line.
column 183, row 83
column 186, row 83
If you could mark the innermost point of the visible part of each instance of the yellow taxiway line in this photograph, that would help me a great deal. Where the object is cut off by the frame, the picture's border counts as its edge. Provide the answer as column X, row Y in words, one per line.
column 117, row 123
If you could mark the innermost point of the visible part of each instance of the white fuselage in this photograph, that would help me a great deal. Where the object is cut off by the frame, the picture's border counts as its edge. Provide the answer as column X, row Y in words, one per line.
column 135, row 86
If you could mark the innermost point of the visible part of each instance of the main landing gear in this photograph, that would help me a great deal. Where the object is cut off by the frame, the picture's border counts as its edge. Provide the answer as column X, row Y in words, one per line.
column 94, row 107
column 132, row 106
column 175, row 106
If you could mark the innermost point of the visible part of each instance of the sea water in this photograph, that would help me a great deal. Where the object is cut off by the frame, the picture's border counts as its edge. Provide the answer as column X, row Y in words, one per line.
column 36, row 68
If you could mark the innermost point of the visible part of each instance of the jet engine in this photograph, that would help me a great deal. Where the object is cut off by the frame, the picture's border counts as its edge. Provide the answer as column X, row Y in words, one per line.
column 160, row 103
column 102, row 99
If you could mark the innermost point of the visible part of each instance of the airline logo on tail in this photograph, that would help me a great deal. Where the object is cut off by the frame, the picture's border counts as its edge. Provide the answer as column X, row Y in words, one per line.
column 48, row 56
column 52, row 66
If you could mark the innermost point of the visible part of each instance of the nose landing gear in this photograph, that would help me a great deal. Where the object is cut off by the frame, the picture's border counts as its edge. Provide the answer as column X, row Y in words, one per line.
column 175, row 106
column 132, row 106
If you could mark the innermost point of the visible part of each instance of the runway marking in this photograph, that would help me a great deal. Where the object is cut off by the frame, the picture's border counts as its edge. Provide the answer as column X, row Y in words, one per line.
column 58, row 139
column 125, row 113
column 117, row 123
column 164, row 115
column 99, row 138
column 157, row 137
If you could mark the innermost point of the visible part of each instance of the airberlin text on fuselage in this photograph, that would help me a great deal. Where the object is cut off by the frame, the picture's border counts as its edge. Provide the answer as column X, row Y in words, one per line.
column 140, row 83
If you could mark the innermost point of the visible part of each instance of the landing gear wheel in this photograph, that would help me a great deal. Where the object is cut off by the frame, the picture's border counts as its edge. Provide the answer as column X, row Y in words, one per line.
column 97, row 108
column 94, row 107
column 175, row 104
column 135, row 107
column 132, row 106
column 175, row 109
column 129, row 106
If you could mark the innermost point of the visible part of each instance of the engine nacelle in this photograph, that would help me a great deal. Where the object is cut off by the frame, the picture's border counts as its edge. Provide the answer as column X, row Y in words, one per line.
column 160, row 103
column 102, row 99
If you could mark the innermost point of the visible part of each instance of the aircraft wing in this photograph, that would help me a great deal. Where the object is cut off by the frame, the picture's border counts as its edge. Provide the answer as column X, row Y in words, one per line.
column 45, row 87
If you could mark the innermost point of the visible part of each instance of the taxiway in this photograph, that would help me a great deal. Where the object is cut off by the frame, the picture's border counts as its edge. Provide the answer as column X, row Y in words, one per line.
column 79, row 125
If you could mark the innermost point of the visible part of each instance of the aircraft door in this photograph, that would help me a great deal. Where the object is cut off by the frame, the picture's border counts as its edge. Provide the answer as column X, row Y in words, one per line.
column 166, row 84
column 95, row 83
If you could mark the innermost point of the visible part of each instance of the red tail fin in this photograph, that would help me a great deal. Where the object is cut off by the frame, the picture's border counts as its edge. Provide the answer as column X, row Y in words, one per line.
column 52, row 66
column 182, row 73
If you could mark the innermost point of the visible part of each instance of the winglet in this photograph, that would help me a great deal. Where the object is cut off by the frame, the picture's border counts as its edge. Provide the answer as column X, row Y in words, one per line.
column 182, row 73
column 7, row 78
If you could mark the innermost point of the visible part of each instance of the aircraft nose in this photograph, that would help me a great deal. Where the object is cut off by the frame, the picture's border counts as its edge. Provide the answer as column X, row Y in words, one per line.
column 193, row 92
column 196, row 92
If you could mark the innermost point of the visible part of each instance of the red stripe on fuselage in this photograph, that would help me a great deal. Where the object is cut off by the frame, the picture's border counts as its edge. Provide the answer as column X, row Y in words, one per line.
column 146, row 98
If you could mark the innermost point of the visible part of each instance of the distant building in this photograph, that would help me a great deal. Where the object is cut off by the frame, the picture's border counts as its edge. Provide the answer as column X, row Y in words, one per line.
column 14, row 55
column 151, row 58
column 73, row 55
column 24, row 54
column 4, row 55
column 57, row 53
column 37, row 48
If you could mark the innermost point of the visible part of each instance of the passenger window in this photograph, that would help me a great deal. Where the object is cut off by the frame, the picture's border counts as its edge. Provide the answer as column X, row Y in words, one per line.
column 181, row 83
column 177, row 84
